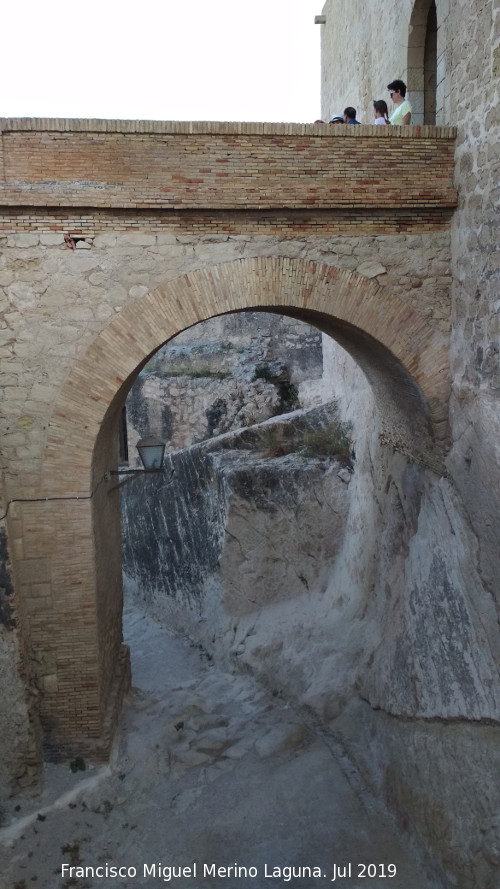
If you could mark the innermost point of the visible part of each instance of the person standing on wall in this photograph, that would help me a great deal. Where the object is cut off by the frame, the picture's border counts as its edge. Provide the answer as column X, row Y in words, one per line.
column 402, row 112
column 350, row 115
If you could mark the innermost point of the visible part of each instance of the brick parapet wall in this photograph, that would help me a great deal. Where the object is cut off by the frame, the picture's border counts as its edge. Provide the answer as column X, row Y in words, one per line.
column 220, row 166
column 190, row 127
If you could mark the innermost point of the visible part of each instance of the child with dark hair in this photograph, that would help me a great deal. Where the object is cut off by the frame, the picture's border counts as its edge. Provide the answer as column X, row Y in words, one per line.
column 380, row 112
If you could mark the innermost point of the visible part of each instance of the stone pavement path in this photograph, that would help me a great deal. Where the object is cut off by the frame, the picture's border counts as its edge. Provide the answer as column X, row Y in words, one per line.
column 210, row 771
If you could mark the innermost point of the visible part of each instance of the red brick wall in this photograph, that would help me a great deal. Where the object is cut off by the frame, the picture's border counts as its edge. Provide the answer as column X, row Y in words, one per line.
column 225, row 166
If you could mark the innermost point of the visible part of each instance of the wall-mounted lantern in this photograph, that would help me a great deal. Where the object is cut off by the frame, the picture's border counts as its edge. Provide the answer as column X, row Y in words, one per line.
column 152, row 453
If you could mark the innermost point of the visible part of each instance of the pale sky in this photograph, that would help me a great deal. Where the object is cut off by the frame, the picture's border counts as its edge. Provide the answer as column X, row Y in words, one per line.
column 253, row 60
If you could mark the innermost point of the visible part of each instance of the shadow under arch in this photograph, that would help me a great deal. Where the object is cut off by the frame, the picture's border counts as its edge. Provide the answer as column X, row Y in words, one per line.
column 422, row 62
column 404, row 358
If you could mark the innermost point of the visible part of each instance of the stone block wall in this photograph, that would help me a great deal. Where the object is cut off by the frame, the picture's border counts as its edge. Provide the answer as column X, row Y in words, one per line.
column 361, row 53
column 56, row 300
column 357, row 209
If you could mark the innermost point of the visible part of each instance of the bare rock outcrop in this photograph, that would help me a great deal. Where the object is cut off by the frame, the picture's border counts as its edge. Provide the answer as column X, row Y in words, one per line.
column 243, row 523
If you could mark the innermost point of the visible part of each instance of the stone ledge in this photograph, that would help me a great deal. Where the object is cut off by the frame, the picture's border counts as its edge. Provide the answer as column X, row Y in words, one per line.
column 196, row 127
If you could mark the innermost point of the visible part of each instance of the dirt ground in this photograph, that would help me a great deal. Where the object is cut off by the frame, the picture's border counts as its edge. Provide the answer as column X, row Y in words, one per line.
column 213, row 783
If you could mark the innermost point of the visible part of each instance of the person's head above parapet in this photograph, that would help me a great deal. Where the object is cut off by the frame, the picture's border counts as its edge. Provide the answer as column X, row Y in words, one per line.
column 350, row 113
column 397, row 86
column 380, row 106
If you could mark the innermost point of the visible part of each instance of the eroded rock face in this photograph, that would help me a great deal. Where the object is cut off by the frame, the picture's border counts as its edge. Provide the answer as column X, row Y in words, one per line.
column 439, row 651
column 230, row 371
column 285, row 526
column 6, row 590
column 363, row 600
column 423, row 724
column 326, row 580
column 440, row 779
column 241, row 525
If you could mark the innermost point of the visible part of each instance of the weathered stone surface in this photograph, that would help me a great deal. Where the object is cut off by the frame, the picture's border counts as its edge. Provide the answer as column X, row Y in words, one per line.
column 236, row 531
column 285, row 736
column 431, row 621
column 21, row 741
column 46, row 296
column 371, row 269
column 229, row 372
column 439, row 654
column 440, row 779
column 267, row 788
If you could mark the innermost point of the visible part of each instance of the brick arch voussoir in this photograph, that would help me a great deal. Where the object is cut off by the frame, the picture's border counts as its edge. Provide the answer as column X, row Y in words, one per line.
column 258, row 283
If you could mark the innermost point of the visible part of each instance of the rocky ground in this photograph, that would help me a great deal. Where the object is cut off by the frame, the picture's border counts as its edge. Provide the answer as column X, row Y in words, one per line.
column 211, row 772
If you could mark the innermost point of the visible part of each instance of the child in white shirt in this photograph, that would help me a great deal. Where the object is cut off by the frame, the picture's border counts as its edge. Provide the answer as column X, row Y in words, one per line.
column 381, row 112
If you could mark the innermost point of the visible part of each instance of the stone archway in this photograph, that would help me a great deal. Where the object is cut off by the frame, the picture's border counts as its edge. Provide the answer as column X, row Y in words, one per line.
column 75, row 641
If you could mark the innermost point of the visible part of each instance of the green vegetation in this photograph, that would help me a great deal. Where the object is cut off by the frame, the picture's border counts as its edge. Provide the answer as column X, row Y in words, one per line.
column 78, row 764
column 289, row 398
column 198, row 373
column 207, row 372
column 333, row 441
column 263, row 372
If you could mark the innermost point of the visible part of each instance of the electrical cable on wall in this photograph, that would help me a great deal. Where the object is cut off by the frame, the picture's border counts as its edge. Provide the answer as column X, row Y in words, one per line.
column 50, row 499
